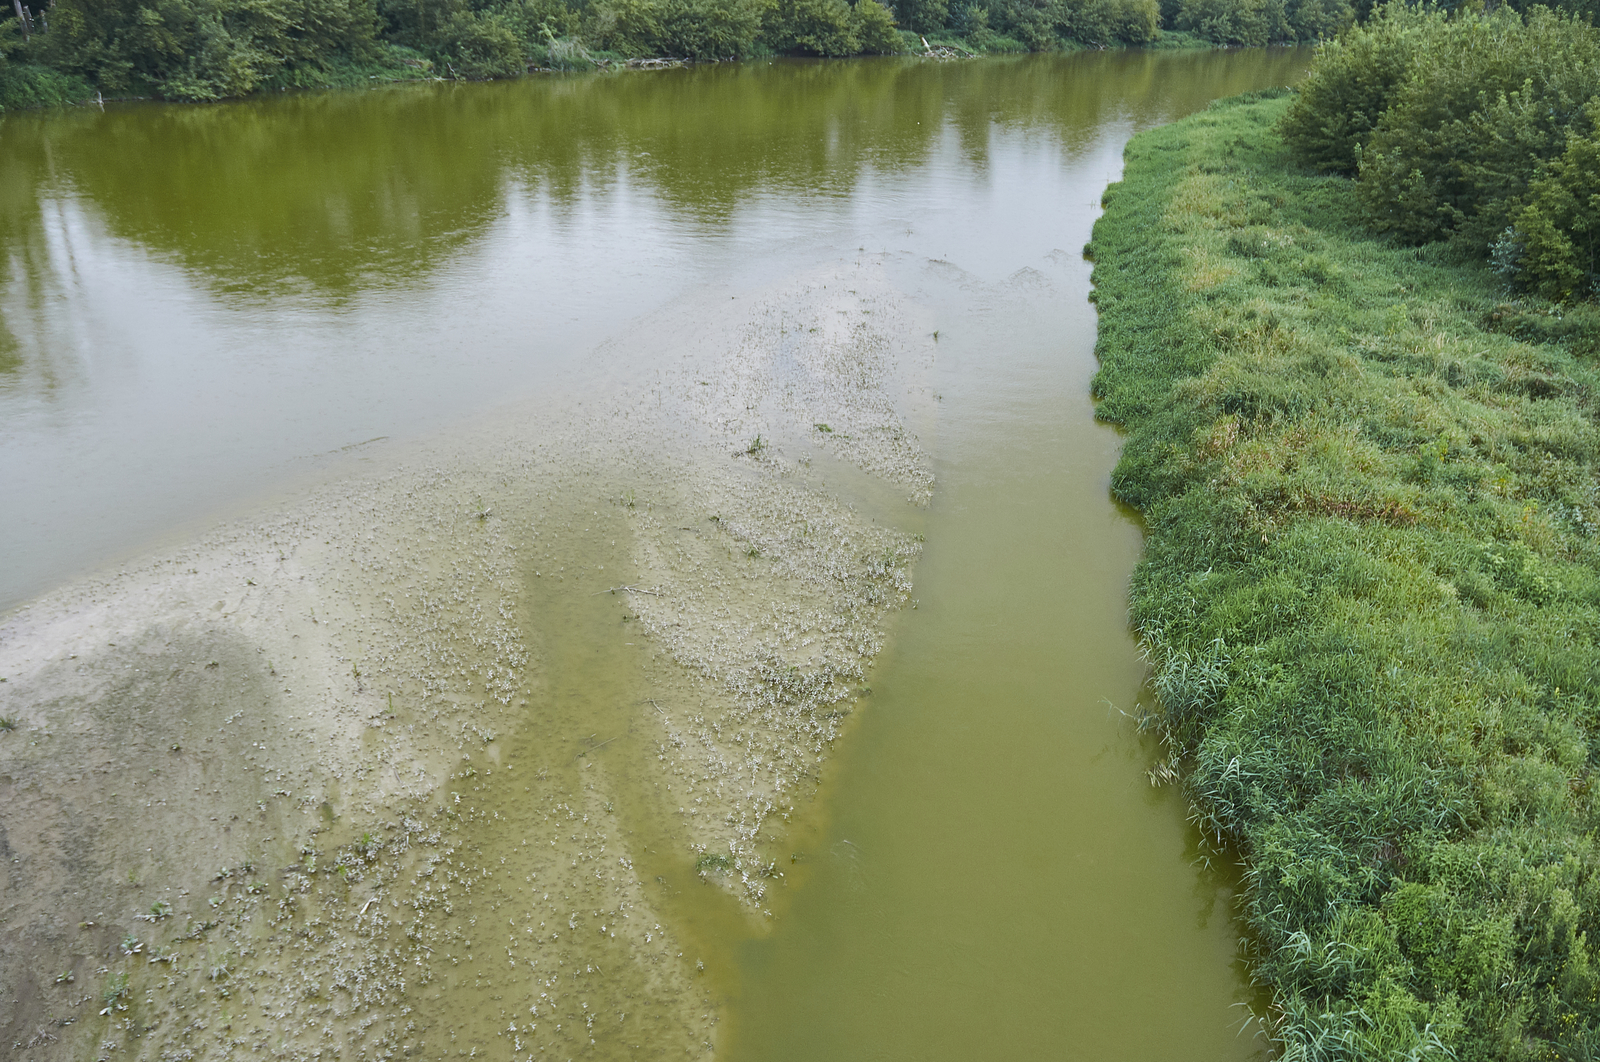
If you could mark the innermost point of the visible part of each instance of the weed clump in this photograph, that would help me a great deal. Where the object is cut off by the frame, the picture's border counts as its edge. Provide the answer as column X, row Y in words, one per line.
column 1370, row 594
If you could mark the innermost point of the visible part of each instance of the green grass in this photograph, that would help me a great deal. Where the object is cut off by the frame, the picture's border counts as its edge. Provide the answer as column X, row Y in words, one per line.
column 1369, row 594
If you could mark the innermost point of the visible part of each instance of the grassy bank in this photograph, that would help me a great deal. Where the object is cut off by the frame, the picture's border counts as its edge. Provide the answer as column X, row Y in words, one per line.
column 1371, row 593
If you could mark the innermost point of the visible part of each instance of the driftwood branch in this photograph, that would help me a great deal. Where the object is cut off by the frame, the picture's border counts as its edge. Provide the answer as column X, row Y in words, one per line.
column 629, row 589
column 593, row 748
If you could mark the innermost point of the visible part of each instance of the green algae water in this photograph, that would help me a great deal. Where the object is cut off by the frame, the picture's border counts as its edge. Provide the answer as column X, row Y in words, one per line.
column 202, row 304
column 997, row 877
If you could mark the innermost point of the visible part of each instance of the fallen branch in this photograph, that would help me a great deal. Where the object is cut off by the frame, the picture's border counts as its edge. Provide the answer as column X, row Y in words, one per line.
column 629, row 589
column 592, row 748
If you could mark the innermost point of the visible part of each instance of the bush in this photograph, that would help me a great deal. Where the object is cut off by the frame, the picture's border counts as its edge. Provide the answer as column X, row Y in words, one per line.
column 30, row 85
column 873, row 26
column 1240, row 22
column 1472, row 127
column 200, row 49
column 1316, row 20
column 1351, row 84
column 814, row 27
column 1486, row 101
column 1105, row 22
column 923, row 16
column 693, row 29
column 1553, row 248
column 480, row 45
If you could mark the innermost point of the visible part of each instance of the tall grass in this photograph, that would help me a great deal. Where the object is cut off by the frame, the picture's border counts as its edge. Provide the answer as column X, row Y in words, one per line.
column 1371, row 593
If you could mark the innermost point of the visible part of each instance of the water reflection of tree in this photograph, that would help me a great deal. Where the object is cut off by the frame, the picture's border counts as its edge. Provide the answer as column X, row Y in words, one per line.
column 329, row 193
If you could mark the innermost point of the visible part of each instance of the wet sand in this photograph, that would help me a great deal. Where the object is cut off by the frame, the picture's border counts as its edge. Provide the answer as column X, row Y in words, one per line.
column 427, row 761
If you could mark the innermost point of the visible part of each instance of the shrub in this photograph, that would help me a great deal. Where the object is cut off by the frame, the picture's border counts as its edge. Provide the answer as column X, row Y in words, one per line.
column 1316, row 20
column 1475, row 127
column 30, row 85
column 478, row 45
column 923, row 16
column 873, row 26
column 1350, row 86
column 200, row 49
column 813, row 27
column 1242, row 22
column 1103, row 22
column 1553, row 248
column 1486, row 100
column 694, row 29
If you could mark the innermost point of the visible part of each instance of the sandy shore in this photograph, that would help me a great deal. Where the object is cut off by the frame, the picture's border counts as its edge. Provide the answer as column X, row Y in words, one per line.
column 439, row 758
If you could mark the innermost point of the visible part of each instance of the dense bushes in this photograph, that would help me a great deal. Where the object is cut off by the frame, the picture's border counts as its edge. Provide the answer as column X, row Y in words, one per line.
column 1554, row 246
column 201, row 49
column 1472, row 127
column 1371, row 587
column 208, row 49
column 1257, row 22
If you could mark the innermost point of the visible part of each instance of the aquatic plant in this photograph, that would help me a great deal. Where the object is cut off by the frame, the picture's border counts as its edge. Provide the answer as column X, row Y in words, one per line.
column 1370, row 593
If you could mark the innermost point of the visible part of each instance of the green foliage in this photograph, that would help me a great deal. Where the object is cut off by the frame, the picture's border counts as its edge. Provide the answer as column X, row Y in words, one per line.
column 1318, row 20
column 32, row 85
column 931, row 16
column 694, row 29
column 200, row 49
column 813, row 27
column 1106, row 22
column 1490, row 99
column 480, row 44
column 1448, row 119
column 1371, row 593
column 1258, row 22
column 1553, row 247
column 211, row 49
column 874, row 28
column 1351, row 84
column 1247, row 22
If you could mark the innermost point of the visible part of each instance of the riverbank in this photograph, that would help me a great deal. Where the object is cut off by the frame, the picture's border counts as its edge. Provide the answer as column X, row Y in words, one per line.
column 1369, row 595
column 52, row 71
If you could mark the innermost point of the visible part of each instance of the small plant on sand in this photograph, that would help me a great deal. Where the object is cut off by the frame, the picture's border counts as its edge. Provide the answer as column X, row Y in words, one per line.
column 708, row 863
column 112, row 996
column 757, row 445
column 8, row 722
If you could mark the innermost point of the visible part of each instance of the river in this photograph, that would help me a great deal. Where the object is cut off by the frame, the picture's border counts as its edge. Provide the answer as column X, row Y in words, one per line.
column 210, row 313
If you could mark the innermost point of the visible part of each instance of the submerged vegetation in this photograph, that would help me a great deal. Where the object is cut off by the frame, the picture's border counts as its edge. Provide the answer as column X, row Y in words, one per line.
column 1371, row 476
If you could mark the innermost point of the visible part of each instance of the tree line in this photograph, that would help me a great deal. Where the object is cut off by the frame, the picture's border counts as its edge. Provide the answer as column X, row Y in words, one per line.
column 209, row 49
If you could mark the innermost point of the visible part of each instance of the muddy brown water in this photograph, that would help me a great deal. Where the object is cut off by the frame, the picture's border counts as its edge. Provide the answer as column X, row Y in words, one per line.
column 200, row 306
